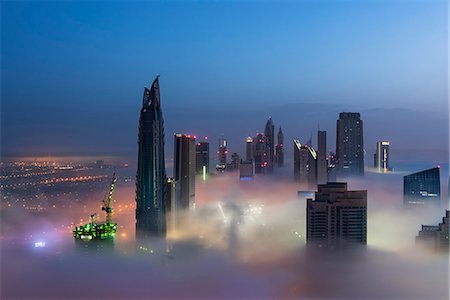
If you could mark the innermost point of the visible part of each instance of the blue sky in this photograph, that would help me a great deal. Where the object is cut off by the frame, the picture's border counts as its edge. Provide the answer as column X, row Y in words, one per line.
column 66, row 64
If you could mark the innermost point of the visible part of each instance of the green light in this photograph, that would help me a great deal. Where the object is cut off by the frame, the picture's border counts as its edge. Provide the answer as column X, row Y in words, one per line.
column 204, row 173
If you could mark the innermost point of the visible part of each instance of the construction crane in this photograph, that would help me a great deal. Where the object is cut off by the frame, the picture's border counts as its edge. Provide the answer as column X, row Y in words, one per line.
column 107, row 207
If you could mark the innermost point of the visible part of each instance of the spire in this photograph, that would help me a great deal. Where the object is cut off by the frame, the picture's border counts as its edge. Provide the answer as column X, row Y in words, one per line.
column 151, row 97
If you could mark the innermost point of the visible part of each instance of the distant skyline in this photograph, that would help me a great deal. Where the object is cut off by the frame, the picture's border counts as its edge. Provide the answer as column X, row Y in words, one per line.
column 73, row 72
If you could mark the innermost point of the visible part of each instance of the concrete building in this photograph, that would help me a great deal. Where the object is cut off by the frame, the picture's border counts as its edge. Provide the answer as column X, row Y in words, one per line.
column 436, row 237
column 381, row 157
column 184, row 170
column 337, row 217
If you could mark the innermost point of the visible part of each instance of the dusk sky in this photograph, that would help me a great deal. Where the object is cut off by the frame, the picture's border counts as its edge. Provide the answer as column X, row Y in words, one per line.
column 73, row 72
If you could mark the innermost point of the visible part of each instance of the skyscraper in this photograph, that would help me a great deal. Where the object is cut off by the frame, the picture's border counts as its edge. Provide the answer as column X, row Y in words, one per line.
column 202, row 159
column 171, row 202
column 260, row 154
column 422, row 188
column 246, row 170
column 349, row 144
column 279, row 151
column 235, row 161
column 322, row 165
column 381, row 157
column 222, row 153
column 249, row 148
column 337, row 217
column 305, row 165
column 269, row 135
column 184, row 170
column 151, row 171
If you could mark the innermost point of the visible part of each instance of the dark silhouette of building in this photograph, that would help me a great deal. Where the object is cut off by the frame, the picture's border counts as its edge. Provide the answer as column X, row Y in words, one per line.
column 260, row 154
column 332, row 162
column 246, row 170
column 235, row 161
column 171, row 203
column 305, row 165
column 322, row 165
column 436, row 237
column 151, row 171
column 422, row 188
column 381, row 157
column 279, row 150
column 184, row 170
column 269, row 139
column 337, row 217
column 249, row 148
column 222, row 153
column 349, row 144
column 202, row 159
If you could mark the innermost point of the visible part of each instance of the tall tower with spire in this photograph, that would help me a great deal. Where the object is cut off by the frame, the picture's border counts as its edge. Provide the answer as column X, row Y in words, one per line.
column 279, row 151
column 151, row 171
column 269, row 134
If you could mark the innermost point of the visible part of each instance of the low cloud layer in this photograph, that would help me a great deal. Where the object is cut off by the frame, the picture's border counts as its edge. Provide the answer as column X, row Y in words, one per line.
column 244, row 240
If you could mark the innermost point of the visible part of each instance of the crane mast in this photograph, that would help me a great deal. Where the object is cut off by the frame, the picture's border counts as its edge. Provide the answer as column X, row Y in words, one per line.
column 107, row 204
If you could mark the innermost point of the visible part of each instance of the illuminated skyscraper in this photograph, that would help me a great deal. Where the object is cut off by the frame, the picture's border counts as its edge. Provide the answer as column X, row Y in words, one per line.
column 305, row 165
column 260, row 154
column 202, row 159
column 322, row 165
column 269, row 135
column 337, row 217
column 151, row 171
column 422, row 188
column 381, row 157
column 184, row 170
column 279, row 150
column 349, row 144
column 249, row 149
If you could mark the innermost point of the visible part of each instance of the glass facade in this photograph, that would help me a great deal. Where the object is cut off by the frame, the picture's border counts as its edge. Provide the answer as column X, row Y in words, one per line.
column 422, row 188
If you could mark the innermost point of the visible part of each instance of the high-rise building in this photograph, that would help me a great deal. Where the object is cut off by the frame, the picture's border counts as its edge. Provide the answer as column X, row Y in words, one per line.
column 171, row 202
column 246, row 170
column 422, row 188
column 349, row 144
column 332, row 162
column 202, row 159
column 222, row 153
column 305, row 165
column 235, row 160
column 436, row 237
column 279, row 151
column 381, row 157
column 151, row 171
column 260, row 154
column 269, row 135
column 184, row 170
column 322, row 165
column 249, row 148
column 337, row 217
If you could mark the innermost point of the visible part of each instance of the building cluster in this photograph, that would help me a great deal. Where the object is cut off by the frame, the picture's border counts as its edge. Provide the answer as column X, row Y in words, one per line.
column 312, row 167
column 336, row 217
column 262, row 154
